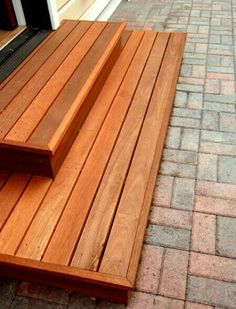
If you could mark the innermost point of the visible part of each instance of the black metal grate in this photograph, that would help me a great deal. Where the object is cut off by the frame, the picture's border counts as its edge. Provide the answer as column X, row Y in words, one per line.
column 16, row 51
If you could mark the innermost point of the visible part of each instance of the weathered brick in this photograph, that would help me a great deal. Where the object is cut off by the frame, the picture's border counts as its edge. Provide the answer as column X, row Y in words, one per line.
column 177, row 169
column 195, row 100
column 198, row 70
column 183, row 194
column 207, row 167
column 149, row 269
column 219, row 190
column 7, row 292
column 204, row 233
column 201, row 48
column 180, row 99
column 211, row 266
column 191, row 80
column 79, row 301
column 191, row 305
column 174, row 274
column 180, row 156
column 226, row 236
column 171, row 217
column 220, row 98
column 190, row 139
column 212, row 86
column 141, row 300
column 188, row 87
column 215, row 206
column 107, row 305
column 210, row 120
column 185, row 122
column 163, row 191
column 212, row 292
column 227, row 87
column 42, row 292
column 186, row 70
column 173, row 138
column 227, row 169
column 219, row 137
column 218, row 148
column 219, row 107
column 219, row 76
column 168, row 237
column 187, row 112
column 227, row 122
column 20, row 303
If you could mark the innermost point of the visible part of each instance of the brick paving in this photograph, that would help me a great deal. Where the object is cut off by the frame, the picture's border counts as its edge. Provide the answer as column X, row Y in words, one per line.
column 189, row 256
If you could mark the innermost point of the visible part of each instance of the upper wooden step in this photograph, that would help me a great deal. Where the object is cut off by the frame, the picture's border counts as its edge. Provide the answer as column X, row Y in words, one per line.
column 44, row 103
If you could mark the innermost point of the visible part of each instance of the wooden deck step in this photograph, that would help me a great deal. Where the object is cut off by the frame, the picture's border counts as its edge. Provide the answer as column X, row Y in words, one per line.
column 84, row 229
column 43, row 104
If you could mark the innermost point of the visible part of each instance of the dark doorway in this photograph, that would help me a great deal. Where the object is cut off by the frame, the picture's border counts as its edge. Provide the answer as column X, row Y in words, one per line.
column 36, row 14
column 7, row 15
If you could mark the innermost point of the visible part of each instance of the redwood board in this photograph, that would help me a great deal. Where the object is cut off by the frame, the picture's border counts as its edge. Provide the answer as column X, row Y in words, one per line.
column 44, row 104
column 84, row 229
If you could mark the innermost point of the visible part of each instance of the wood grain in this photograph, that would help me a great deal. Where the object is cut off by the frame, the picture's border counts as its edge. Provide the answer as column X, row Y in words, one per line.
column 31, row 65
column 100, row 218
column 118, row 253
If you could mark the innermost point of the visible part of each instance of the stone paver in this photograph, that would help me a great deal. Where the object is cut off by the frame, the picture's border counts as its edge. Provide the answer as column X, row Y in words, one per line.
column 226, row 235
column 190, row 245
column 203, row 233
column 149, row 270
column 168, row 237
column 174, row 274
column 211, row 292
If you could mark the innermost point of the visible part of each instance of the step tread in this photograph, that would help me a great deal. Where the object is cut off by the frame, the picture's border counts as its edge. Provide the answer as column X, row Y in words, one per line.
column 88, row 224
column 41, row 115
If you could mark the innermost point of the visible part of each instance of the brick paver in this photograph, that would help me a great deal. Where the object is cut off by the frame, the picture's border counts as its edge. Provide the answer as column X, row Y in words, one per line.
column 189, row 256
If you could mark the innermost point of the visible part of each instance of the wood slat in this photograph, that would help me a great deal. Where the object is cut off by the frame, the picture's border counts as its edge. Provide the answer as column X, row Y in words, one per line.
column 73, row 88
column 25, row 96
column 22, row 76
column 25, row 126
column 110, row 288
column 10, row 194
column 93, row 239
column 118, row 253
column 52, row 206
column 84, row 229
column 75, row 214
column 30, row 199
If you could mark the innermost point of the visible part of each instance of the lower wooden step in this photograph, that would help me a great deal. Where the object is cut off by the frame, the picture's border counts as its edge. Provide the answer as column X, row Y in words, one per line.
column 45, row 102
column 84, row 230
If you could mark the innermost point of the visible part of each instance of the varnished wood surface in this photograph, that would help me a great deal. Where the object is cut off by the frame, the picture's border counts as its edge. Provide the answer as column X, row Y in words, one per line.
column 84, row 229
column 42, row 102
column 7, row 36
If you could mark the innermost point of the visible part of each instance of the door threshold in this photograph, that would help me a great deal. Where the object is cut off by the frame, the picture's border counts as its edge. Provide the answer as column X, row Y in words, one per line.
column 7, row 36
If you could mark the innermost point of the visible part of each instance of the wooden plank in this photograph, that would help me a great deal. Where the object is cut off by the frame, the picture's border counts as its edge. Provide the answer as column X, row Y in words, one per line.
column 98, row 285
column 7, row 36
column 10, row 194
column 138, row 242
column 31, row 65
column 30, row 201
column 118, row 253
column 54, row 203
column 73, row 90
column 3, row 177
column 30, row 56
column 91, row 245
column 39, row 106
column 75, row 214
column 88, row 92
column 25, row 96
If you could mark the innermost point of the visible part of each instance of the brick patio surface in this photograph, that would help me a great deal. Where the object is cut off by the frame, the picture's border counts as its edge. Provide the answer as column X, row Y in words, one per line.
column 189, row 256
